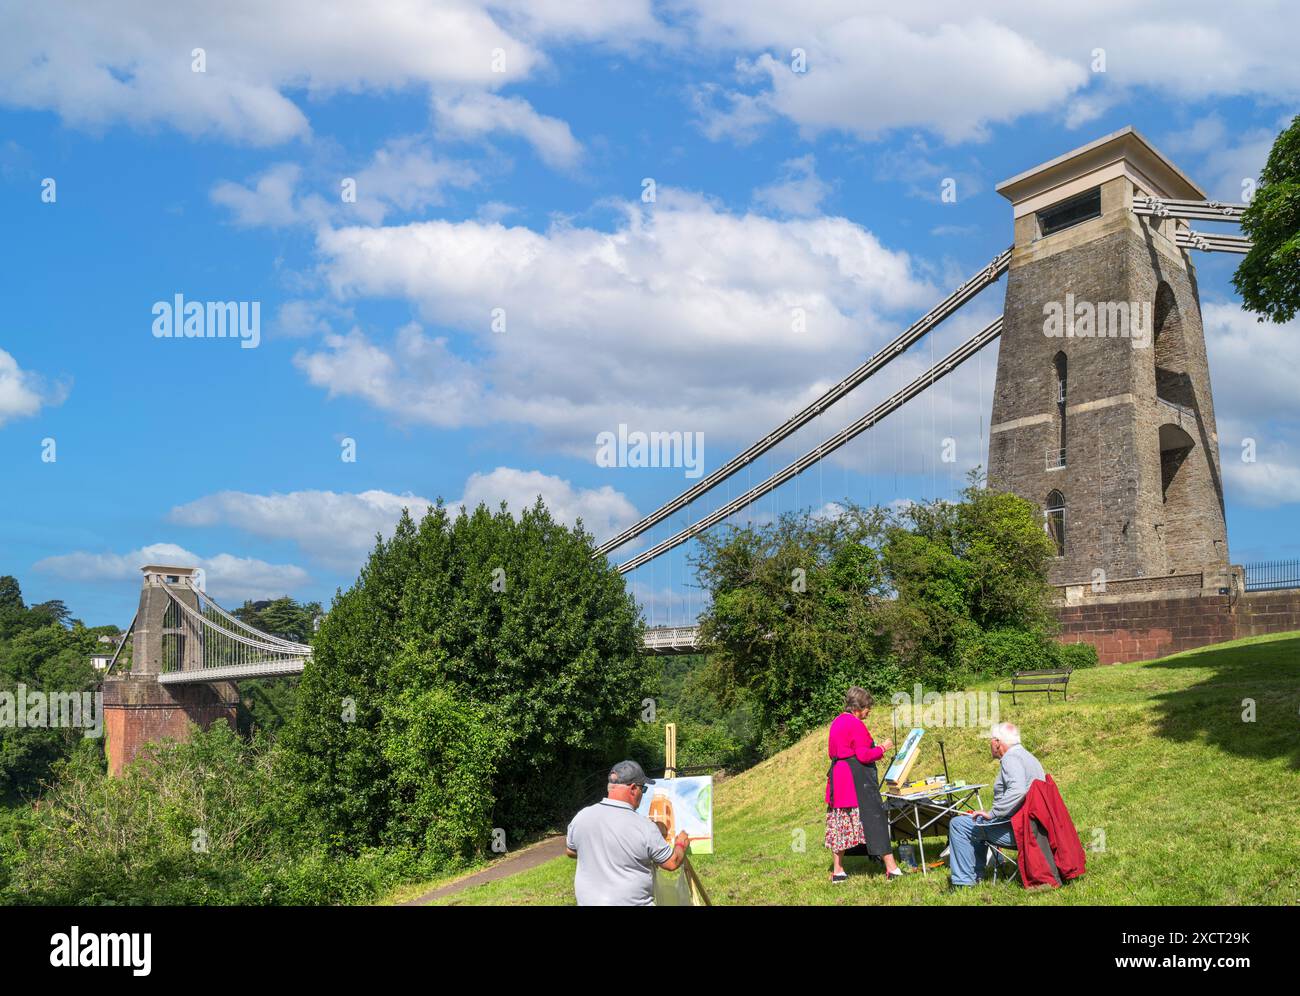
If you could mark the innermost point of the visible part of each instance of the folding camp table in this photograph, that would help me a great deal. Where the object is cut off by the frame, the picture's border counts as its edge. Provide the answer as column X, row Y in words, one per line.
column 919, row 811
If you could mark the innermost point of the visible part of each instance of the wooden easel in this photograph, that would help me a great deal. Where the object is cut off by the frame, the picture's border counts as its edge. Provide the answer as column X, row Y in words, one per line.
column 696, row 888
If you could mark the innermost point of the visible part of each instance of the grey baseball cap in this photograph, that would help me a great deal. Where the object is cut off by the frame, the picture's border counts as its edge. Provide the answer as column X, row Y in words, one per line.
column 628, row 773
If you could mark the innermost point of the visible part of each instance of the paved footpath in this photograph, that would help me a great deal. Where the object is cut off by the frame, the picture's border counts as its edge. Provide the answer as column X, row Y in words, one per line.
column 512, row 864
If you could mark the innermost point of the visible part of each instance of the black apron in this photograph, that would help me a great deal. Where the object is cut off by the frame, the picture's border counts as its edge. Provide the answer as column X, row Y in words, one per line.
column 875, row 824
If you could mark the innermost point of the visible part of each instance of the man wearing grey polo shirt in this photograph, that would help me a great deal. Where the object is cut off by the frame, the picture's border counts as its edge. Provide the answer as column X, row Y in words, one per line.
column 617, row 848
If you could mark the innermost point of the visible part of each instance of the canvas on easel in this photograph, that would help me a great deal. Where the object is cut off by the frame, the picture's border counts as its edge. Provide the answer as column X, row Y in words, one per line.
column 904, row 759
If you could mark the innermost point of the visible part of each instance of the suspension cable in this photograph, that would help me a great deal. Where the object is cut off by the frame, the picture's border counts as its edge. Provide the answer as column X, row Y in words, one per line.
column 945, row 366
column 950, row 304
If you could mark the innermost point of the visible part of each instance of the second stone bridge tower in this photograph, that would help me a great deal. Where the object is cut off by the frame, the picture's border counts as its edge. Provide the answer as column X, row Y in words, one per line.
column 1102, row 413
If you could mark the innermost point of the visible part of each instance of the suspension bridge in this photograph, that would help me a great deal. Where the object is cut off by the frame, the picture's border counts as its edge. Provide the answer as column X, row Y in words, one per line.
column 1119, row 183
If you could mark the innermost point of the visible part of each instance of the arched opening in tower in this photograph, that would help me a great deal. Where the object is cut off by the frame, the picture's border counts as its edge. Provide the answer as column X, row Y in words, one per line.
column 1176, row 487
column 1169, row 351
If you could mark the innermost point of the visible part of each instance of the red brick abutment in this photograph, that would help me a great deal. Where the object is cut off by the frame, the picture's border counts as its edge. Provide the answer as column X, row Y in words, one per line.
column 139, row 710
column 1144, row 627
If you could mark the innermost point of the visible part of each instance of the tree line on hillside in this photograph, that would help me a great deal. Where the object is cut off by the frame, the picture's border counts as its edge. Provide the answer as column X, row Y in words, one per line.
column 483, row 666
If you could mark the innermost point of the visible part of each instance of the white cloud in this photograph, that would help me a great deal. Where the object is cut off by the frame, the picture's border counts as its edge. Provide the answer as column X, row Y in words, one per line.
column 334, row 528
column 134, row 64
column 404, row 175
column 870, row 73
column 1230, row 158
column 1263, row 484
column 271, row 201
column 621, row 24
column 339, row 528
column 1089, row 106
column 799, row 192
column 96, row 65
column 954, row 70
column 603, row 510
column 417, row 379
column 731, row 114
column 23, row 393
column 298, row 318
column 476, row 115
column 915, row 166
column 873, row 65
column 1252, row 363
column 627, row 326
column 495, row 211
column 228, row 577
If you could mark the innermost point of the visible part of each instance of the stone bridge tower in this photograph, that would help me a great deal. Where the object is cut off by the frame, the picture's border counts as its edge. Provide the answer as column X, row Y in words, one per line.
column 138, row 709
column 1102, row 414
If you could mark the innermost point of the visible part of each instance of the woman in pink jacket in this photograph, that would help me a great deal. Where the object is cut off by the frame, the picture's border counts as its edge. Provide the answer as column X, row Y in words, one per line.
column 854, row 812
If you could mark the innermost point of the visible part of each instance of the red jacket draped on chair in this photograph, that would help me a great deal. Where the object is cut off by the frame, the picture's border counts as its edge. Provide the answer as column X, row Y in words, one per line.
column 1043, row 804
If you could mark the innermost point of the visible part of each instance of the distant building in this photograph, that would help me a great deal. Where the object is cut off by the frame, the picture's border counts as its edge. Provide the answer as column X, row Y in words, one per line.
column 101, row 661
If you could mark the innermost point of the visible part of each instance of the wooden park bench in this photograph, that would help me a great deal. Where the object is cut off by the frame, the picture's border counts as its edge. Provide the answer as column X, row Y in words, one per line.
column 1047, row 680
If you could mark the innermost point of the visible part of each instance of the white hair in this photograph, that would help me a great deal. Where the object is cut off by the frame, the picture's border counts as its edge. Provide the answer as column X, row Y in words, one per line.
column 1008, row 733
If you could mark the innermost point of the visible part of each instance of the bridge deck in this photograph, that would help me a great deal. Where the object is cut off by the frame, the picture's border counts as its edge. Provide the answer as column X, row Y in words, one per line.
column 658, row 640
column 260, row 669
column 672, row 640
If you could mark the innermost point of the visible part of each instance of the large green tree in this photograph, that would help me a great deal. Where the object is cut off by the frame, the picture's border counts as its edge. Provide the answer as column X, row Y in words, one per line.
column 793, row 611
column 1268, row 279
column 480, row 667
column 283, row 617
column 962, row 569
column 11, row 594
column 804, row 607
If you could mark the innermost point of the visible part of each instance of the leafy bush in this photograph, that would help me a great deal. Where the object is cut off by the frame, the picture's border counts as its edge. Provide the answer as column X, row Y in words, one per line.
column 709, row 735
column 204, row 822
column 441, row 753
column 267, row 703
column 1005, row 651
column 1076, row 655
column 46, row 656
column 175, row 820
column 699, row 745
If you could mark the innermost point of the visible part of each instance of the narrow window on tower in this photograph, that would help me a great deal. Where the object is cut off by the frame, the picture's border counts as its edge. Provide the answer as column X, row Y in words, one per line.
column 1058, row 398
column 1054, row 520
column 1070, row 212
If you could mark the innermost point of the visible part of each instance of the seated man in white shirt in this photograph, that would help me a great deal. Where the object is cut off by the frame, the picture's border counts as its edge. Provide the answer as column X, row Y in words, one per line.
column 970, row 834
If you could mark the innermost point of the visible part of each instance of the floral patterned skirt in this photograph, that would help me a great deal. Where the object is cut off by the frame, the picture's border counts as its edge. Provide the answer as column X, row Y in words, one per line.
column 844, row 829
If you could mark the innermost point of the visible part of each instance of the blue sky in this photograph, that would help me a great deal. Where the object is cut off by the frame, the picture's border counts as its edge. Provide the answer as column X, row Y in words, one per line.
column 522, row 190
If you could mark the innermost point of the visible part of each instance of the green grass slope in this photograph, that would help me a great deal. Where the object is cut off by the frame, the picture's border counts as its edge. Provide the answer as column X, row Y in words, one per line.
column 1178, row 799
